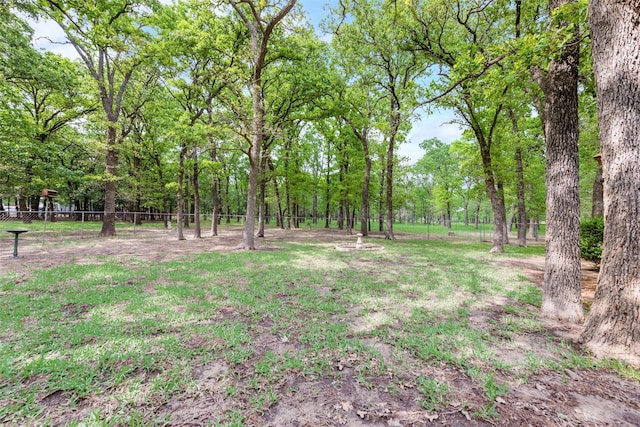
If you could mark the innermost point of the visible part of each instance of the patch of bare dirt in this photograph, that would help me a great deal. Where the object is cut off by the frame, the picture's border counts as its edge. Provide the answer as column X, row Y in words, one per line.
column 533, row 268
column 146, row 245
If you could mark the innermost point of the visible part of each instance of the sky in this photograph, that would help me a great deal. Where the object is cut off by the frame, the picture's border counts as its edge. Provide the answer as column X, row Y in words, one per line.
column 435, row 125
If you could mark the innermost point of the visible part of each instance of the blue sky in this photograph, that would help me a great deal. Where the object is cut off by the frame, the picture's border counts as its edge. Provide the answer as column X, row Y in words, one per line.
column 316, row 9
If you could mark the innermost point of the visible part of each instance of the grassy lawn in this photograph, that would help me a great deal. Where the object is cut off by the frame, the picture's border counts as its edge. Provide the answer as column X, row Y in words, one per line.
column 424, row 325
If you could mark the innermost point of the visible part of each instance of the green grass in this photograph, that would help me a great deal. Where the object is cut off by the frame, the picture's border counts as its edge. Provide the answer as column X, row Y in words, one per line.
column 121, row 340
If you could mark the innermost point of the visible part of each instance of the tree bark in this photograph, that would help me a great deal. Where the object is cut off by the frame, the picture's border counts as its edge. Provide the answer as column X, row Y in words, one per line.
column 612, row 328
column 562, row 287
column 111, row 166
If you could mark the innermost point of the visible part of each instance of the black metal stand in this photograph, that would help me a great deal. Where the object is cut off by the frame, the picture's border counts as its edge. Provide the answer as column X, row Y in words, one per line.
column 17, row 234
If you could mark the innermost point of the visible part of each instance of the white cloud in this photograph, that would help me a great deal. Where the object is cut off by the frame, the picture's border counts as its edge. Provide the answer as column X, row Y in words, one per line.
column 433, row 126
column 47, row 35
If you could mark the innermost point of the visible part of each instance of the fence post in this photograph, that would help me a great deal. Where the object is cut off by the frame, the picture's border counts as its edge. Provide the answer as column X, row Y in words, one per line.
column 44, row 228
column 82, row 227
column 135, row 217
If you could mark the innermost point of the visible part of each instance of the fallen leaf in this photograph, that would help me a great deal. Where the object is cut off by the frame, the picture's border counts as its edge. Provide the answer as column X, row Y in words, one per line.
column 501, row 400
column 432, row 418
column 394, row 423
column 361, row 414
column 466, row 415
column 347, row 406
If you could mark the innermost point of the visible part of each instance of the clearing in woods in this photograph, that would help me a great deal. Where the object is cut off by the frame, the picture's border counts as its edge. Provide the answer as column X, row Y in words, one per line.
column 151, row 330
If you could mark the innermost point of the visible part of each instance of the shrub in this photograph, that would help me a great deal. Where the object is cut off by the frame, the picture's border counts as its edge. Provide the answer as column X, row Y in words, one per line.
column 591, row 236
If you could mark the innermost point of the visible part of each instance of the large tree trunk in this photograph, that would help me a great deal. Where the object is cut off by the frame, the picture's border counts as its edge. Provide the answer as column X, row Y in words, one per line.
column 111, row 163
column 612, row 328
column 562, row 286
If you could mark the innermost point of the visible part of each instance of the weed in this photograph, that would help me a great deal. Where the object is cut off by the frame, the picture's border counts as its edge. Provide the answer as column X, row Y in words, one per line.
column 434, row 392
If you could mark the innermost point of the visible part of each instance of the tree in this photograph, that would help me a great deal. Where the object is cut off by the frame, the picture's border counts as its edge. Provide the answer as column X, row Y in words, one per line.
column 612, row 328
column 253, row 14
column 559, row 84
column 45, row 94
column 441, row 167
column 110, row 37
column 359, row 104
column 373, row 28
column 205, row 50
column 295, row 82
column 466, row 43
